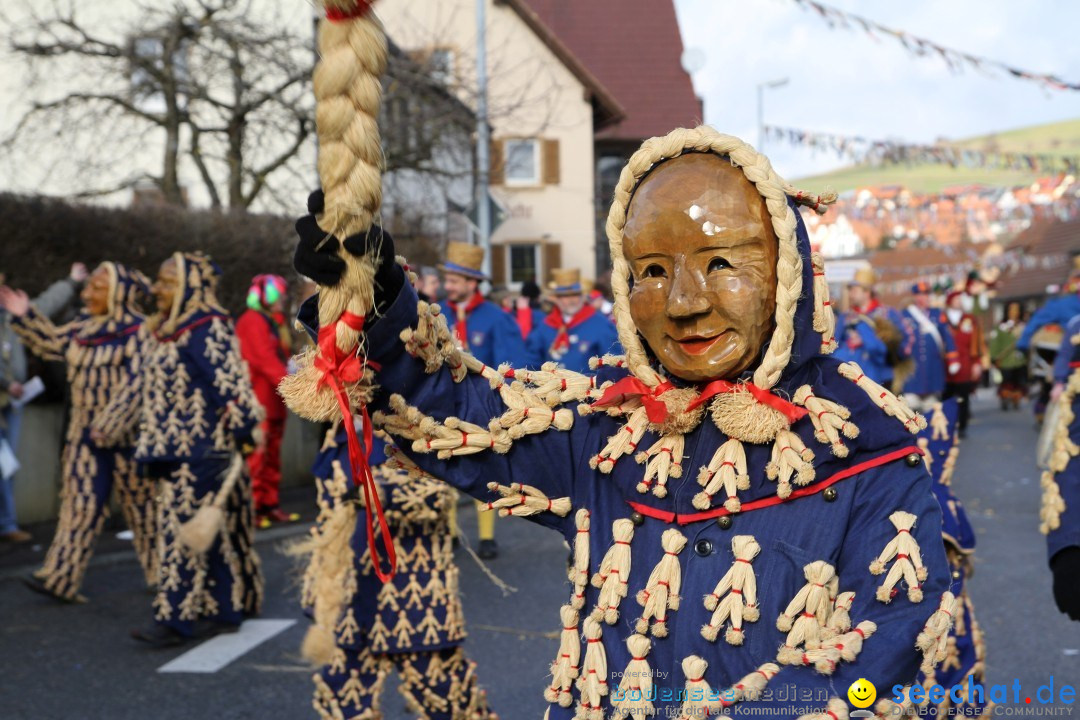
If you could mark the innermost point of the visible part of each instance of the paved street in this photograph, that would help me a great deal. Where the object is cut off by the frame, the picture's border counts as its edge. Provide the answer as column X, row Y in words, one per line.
column 76, row 662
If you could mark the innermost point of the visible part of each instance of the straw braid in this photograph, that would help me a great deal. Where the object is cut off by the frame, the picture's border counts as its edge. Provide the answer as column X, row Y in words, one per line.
column 348, row 92
column 700, row 700
column 933, row 640
column 727, row 471
column 1062, row 451
column 830, row 420
column 892, row 405
column 663, row 460
column 661, row 591
column 636, row 685
column 758, row 170
column 592, row 683
column 578, row 572
column 824, row 318
column 909, row 566
column 734, row 599
column 567, row 664
column 525, row 500
column 808, row 612
column 614, row 573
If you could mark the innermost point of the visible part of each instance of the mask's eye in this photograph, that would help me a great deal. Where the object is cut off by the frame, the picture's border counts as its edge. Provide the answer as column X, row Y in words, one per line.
column 655, row 271
column 719, row 263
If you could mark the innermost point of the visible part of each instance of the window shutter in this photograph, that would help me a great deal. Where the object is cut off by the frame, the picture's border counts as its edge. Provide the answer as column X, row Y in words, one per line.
column 498, row 265
column 498, row 163
column 552, row 259
column 551, row 162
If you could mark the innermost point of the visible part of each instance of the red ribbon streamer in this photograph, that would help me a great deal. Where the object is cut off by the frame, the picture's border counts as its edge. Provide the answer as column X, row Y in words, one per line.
column 359, row 9
column 338, row 368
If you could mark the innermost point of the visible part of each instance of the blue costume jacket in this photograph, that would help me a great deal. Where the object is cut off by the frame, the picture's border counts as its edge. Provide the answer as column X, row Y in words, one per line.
column 931, row 354
column 1057, row 311
column 492, row 336
column 1061, row 483
column 592, row 336
column 965, row 650
column 855, row 504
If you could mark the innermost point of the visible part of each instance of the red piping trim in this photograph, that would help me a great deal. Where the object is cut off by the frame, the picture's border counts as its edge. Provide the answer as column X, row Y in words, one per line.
column 811, row 489
column 201, row 321
column 102, row 339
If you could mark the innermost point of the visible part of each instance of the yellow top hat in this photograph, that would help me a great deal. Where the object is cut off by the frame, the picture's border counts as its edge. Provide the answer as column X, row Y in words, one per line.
column 565, row 281
column 865, row 277
column 464, row 259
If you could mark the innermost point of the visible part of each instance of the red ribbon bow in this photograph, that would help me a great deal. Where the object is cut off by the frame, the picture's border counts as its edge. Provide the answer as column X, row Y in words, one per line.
column 338, row 368
column 793, row 413
column 631, row 387
column 657, row 411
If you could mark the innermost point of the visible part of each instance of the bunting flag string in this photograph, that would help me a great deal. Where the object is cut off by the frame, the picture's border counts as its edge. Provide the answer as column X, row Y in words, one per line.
column 957, row 60
column 862, row 150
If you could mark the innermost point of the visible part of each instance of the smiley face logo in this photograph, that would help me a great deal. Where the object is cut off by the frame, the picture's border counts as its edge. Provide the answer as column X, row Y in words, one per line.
column 862, row 693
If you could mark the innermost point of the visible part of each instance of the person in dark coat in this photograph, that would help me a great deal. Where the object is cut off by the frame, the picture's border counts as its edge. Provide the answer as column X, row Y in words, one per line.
column 747, row 515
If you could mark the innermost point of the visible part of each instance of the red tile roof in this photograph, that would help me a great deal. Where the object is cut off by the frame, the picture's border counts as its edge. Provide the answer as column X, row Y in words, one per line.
column 634, row 48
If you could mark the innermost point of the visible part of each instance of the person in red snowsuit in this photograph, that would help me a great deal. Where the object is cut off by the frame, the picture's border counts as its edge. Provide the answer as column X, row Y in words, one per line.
column 264, row 345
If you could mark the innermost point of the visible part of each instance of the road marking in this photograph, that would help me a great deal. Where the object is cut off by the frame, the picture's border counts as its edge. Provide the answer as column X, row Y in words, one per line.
column 216, row 653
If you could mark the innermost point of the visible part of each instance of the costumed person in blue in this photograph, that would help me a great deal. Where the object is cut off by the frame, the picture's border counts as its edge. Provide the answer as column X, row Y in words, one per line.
column 573, row 331
column 484, row 330
column 1060, row 513
column 1056, row 311
column 101, row 350
column 930, row 345
column 888, row 325
column 806, row 479
column 965, row 649
column 196, row 414
column 365, row 628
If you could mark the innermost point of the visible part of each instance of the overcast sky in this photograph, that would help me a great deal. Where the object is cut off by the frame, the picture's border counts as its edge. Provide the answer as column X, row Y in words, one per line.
column 846, row 82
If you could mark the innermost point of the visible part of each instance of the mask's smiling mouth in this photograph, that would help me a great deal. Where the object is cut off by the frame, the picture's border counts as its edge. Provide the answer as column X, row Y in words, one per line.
column 698, row 344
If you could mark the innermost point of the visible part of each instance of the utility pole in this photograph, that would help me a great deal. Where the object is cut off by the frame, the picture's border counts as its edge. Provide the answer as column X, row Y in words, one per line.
column 761, row 109
column 483, row 138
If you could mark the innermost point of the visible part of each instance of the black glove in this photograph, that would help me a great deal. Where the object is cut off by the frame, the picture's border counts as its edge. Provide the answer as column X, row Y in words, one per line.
column 1066, row 568
column 323, row 265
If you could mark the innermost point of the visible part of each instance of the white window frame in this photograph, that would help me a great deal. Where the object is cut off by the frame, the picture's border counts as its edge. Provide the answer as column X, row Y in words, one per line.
column 537, row 160
column 446, row 76
column 537, row 258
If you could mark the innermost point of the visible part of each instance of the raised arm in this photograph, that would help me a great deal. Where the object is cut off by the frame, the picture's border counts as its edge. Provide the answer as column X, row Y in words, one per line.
column 34, row 328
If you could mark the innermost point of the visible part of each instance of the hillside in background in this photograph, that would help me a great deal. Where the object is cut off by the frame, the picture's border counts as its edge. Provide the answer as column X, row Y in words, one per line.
column 1061, row 139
